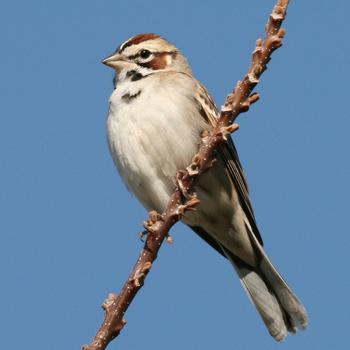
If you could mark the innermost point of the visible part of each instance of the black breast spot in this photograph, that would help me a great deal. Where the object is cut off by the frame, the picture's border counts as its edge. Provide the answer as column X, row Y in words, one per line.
column 130, row 97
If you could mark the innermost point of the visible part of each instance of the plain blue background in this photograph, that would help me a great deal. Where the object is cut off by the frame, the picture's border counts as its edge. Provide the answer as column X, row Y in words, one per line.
column 68, row 226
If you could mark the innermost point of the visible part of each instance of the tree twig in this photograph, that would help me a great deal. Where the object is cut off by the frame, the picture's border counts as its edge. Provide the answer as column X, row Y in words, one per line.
column 158, row 226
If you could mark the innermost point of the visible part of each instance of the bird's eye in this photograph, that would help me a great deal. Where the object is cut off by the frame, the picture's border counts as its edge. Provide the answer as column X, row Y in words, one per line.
column 145, row 54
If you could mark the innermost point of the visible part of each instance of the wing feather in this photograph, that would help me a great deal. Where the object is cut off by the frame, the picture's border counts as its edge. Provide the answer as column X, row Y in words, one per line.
column 230, row 157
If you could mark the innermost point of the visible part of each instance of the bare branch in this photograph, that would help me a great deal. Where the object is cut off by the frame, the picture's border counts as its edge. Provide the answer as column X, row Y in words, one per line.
column 157, row 226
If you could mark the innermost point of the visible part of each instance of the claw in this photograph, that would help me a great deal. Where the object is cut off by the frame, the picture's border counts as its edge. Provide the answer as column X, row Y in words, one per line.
column 153, row 218
column 180, row 176
column 190, row 205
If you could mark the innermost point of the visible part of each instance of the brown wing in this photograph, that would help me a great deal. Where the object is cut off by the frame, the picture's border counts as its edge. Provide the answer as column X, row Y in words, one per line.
column 229, row 154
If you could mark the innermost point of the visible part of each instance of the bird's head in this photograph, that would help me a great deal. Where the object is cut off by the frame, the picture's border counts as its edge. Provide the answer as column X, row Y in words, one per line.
column 146, row 54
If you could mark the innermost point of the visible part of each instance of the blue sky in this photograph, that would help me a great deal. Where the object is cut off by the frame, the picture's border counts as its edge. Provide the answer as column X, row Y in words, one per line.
column 68, row 229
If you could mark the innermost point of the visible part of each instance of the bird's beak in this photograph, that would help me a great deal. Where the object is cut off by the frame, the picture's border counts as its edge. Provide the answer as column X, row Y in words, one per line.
column 116, row 61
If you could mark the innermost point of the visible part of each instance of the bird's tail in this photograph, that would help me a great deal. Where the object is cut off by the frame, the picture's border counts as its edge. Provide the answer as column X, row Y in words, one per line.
column 278, row 306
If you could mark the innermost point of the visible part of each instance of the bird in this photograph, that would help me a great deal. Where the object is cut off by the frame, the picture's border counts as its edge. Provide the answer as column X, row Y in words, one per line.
column 157, row 113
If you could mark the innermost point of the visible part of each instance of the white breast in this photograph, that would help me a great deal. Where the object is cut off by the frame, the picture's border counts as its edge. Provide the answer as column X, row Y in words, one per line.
column 154, row 134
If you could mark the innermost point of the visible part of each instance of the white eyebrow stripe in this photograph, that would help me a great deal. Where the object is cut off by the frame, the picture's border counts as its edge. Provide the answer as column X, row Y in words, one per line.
column 121, row 47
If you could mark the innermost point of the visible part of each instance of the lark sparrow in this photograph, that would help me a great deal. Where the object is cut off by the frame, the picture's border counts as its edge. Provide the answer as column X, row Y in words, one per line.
column 157, row 114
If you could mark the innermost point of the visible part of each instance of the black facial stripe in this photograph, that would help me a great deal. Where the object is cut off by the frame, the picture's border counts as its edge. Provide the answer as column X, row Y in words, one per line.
column 137, row 55
column 132, row 57
column 136, row 76
column 130, row 73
